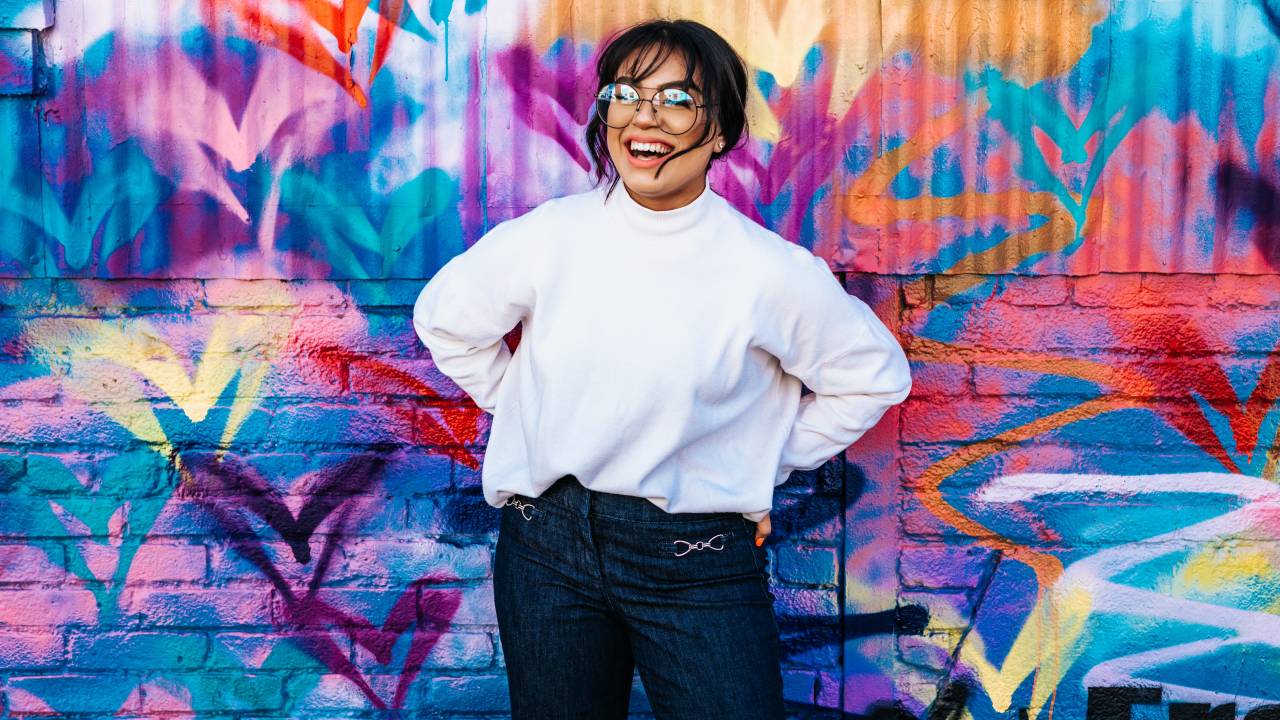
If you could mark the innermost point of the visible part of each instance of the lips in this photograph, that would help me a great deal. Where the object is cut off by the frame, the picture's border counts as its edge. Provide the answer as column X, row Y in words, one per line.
column 644, row 162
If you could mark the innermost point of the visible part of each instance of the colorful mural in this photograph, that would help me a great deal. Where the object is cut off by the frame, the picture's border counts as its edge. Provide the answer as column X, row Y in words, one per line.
column 232, row 483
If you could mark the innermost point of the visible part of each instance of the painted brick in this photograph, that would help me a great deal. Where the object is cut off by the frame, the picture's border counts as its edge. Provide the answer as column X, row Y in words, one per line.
column 1107, row 290
column 917, row 291
column 462, row 651
column 31, row 650
column 470, row 693
column 1179, row 289
column 325, row 298
column 378, row 559
column 381, row 376
column 992, row 380
column 948, row 610
column 255, row 294
column 397, row 295
column 285, row 649
column 51, row 423
column 800, row 685
column 378, row 334
column 1261, row 291
column 26, row 297
column 96, row 298
column 1062, row 329
column 36, row 607
column 829, row 690
column 301, row 378
column 943, row 566
column 203, row 608
column 222, row 692
column 367, row 606
column 332, row 692
column 34, row 561
column 963, row 419
column 807, row 565
column 362, row 424
column 228, row 564
column 930, row 652
column 100, row 695
column 136, row 650
column 931, row 379
column 416, row 471
column 476, row 606
column 806, row 602
column 956, row 289
column 1034, row 290
column 163, row 562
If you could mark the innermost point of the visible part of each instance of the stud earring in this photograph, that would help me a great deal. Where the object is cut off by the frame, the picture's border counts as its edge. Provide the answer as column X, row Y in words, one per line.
column 720, row 147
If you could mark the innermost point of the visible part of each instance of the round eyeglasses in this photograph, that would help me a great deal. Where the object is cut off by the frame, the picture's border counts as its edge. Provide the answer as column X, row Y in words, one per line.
column 676, row 110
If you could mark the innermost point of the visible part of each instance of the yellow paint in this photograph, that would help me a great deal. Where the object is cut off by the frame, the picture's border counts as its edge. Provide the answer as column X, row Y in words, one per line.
column 118, row 366
column 1027, row 41
column 1220, row 568
column 770, row 35
column 1032, row 40
column 1049, row 642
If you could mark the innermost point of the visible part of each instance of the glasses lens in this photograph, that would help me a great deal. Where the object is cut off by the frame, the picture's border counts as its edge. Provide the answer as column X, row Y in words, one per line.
column 676, row 110
column 616, row 104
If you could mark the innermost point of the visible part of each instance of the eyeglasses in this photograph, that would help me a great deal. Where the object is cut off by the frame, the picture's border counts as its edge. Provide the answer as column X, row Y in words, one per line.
column 675, row 109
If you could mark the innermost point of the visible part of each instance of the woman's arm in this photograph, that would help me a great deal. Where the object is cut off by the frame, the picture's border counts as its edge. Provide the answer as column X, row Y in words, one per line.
column 471, row 303
column 835, row 344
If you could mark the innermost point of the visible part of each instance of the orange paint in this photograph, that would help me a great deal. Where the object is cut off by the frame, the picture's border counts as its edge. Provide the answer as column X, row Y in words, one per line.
column 342, row 22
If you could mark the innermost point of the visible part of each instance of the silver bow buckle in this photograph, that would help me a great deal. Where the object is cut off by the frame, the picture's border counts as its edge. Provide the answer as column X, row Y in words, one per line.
column 709, row 543
column 526, row 509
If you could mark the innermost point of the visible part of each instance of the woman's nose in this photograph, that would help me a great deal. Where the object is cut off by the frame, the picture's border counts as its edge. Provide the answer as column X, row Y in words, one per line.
column 646, row 110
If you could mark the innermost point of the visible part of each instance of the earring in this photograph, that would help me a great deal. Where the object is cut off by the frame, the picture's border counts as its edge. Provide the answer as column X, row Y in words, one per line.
column 719, row 147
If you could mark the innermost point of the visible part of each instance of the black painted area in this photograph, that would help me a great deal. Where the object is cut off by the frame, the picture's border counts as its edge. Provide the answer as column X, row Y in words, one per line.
column 1237, row 190
column 1115, row 703
column 1201, row 711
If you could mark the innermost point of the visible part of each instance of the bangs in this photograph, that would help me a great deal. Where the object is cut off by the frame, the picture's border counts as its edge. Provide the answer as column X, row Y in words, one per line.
column 644, row 57
column 711, row 67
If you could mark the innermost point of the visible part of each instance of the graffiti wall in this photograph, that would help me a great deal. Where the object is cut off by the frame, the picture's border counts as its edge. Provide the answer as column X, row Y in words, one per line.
column 233, row 484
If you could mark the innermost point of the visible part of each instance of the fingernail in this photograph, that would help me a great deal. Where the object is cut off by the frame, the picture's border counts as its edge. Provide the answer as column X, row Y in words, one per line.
column 759, row 541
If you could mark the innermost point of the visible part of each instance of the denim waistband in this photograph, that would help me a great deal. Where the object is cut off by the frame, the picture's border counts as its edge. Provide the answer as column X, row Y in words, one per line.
column 568, row 492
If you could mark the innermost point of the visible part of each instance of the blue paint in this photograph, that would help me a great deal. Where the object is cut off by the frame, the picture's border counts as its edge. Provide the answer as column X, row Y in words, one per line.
column 947, row 179
column 905, row 185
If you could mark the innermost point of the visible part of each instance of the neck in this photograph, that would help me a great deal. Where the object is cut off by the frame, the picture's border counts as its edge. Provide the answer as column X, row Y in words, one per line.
column 661, row 222
column 671, row 201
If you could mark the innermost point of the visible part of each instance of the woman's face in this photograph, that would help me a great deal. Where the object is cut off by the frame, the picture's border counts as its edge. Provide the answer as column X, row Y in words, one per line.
column 682, row 178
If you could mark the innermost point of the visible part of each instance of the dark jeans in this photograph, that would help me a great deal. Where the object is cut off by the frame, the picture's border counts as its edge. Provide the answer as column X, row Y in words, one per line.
column 590, row 586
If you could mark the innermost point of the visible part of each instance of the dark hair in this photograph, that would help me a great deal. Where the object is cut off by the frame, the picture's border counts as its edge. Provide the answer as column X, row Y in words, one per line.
column 705, row 53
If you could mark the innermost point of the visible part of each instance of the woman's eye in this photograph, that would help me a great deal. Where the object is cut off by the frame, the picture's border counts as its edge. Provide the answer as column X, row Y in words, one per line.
column 677, row 98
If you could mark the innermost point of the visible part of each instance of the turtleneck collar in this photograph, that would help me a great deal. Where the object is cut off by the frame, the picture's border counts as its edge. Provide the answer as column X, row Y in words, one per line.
column 660, row 221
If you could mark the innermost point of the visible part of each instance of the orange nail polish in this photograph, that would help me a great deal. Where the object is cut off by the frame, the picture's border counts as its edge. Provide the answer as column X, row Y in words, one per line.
column 759, row 541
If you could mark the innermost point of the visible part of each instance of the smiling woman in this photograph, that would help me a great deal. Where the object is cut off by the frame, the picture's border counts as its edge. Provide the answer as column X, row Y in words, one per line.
column 671, row 100
column 646, row 416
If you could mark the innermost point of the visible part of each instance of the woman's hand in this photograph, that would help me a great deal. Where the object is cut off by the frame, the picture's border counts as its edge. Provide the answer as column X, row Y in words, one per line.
column 763, row 528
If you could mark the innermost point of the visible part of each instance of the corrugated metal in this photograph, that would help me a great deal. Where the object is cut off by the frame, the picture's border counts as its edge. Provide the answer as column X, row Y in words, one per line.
column 918, row 136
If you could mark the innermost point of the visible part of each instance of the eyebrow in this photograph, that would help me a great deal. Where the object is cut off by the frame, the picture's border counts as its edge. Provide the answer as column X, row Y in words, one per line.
column 690, row 85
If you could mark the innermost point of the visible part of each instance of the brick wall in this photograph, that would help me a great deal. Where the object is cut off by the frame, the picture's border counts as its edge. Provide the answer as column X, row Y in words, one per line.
column 233, row 484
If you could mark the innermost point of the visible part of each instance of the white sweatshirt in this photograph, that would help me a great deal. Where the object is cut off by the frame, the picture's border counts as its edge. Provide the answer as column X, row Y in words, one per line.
column 661, row 354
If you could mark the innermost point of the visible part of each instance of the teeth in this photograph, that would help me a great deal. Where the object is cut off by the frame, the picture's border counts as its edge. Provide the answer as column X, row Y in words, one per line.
column 650, row 147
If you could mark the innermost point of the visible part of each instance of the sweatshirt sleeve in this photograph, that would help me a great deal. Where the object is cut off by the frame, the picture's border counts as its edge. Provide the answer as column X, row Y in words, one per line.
column 836, row 345
column 475, row 299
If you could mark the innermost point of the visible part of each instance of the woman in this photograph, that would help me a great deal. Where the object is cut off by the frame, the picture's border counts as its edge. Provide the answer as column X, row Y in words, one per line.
column 653, row 402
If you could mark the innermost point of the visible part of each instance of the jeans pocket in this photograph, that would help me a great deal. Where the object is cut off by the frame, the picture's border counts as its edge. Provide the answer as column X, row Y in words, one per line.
column 701, row 552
